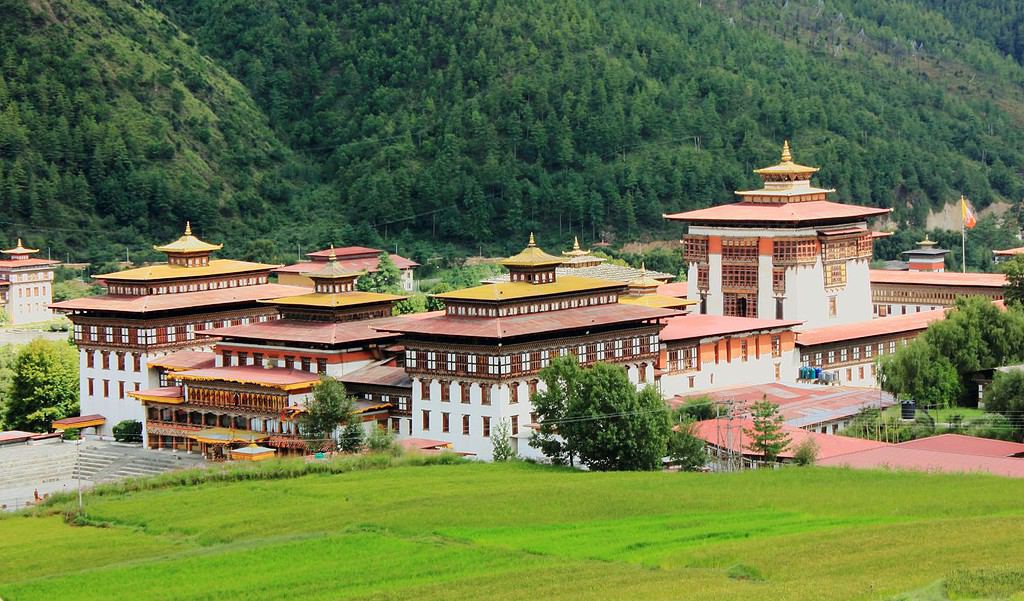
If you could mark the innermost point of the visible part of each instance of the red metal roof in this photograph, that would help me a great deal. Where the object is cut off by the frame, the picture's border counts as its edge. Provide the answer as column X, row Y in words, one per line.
column 911, row 322
column 801, row 405
column 345, row 252
column 185, row 360
column 521, row 325
column 966, row 445
column 901, row 457
column 318, row 332
column 730, row 434
column 379, row 375
column 674, row 289
column 354, row 264
column 937, row 278
column 685, row 327
column 182, row 300
column 843, row 231
column 275, row 376
column 15, row 263
column 1009, row 252
column 791, row 212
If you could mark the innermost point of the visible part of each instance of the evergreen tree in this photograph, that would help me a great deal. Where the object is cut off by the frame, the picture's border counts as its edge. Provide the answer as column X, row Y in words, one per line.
column 766, row 435
column 328, row 408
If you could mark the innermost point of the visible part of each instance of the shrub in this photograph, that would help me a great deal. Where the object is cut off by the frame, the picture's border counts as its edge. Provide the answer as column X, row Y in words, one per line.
column 806, row 453
column 381, row 440
column 71, row 434
column 744, row 572
column 128, row 430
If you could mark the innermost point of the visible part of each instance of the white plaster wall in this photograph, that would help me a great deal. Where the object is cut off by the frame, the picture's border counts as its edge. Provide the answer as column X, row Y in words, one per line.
column 765, row 293
column 735, row 373
column 715, row 297
column 114, row 408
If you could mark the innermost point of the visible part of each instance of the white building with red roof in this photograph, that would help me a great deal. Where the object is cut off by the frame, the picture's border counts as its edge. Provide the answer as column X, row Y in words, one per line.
column 26, row 285
column 703, row 352
column 782, row 252
column 896, row 292
column 351, row 258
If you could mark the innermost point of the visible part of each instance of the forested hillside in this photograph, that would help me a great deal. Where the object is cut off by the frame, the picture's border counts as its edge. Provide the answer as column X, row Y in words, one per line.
column 306, row 122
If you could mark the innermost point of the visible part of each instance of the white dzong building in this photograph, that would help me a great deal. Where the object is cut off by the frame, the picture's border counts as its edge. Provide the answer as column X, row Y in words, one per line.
column 782, row 252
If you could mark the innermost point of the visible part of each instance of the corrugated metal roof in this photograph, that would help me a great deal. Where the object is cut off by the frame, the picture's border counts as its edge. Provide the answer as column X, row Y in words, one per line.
column 937, row 278
column 164, row 302
column 794, row 212
column 880, row 326
column 686, row 327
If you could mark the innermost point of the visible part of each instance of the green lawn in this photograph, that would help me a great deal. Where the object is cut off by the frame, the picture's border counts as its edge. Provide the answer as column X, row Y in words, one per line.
column 475, row 531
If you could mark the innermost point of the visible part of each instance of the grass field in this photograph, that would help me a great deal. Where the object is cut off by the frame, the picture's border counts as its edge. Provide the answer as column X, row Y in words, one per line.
column 474, row 531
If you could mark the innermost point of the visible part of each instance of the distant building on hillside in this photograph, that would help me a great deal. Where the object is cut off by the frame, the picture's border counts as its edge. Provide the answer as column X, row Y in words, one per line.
column 585, row 264
column 999, row 256
column 351, row 258
column 26, row 285
column 783, row 252
column 926, row 257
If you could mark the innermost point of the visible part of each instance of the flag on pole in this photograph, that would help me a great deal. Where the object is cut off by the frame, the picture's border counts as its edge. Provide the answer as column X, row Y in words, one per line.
column 967, row 213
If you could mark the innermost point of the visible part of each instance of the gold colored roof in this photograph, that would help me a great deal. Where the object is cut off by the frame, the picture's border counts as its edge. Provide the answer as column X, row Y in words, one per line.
column 188, row 244
column 926, row 243
column 521, row 290
column 335, row 300
column 787, row 166
column 165, row 271
column 532, row 256
column 644, row 281
column 657, row 301
column 576, row 251
column 332, row 270
column 20, row 250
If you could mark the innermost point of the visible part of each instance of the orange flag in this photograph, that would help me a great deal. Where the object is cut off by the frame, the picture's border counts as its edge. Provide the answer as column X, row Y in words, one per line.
column 968, row 215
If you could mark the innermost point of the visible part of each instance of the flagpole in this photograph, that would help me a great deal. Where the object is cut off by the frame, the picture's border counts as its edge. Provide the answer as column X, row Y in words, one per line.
column 963, row 246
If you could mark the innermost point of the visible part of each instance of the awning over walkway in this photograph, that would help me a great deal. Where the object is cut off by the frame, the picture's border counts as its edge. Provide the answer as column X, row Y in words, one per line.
column 83, row 421
column 227, row 436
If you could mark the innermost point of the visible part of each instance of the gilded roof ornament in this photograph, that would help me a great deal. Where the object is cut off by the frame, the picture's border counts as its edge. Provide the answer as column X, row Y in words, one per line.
column 532, row 256
column 20, row 250
column 188, row 244
column 787, row 166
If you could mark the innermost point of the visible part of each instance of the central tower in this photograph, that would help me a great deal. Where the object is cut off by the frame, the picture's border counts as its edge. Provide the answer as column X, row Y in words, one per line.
column 782, row 252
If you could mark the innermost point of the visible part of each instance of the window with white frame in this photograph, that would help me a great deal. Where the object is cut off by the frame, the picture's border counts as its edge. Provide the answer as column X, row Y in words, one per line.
column 450, row 361
column 600, row 351
column 618, row 348
column 471, row 364
column 431, row 360
column 545, row 358
column 410, row 358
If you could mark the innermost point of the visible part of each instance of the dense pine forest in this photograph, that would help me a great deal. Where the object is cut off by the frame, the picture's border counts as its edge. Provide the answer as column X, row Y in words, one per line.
column 451, row 124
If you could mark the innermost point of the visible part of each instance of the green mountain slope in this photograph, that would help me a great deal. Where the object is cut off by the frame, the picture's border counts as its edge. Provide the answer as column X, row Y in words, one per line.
column 114, row 131
column 475, row 122
column 599, row 116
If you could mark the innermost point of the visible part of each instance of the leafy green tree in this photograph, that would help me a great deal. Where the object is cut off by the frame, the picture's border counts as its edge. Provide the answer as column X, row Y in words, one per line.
column 381, row 440
column 502, row 446
column 685, row 448
column 918, row 372
column 128, row 430
column 767, row 438
column 44, row 387
column 1006, row 393
column 353, row 436
column 1014, row 270
column 611, row 426
column 328, row 408
column 552, row 404
column 387, row 279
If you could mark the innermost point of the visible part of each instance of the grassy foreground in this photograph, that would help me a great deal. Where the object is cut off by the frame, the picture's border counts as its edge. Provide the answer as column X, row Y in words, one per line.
column 474, row 531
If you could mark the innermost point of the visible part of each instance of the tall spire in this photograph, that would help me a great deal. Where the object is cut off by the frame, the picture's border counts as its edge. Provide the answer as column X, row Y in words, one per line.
column 532, row 242
column 575, row 242
column 787, row 157
column 188, row 228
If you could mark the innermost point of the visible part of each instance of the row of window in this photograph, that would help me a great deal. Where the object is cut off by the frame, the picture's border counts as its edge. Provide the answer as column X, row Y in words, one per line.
column 467, row 430
column 31, row 276
column 469, row 310
column 120, row 359
column 160, row 335
column 791, row 251
column 34, row 291
column 469, row 363
column 317, row 365
column 852, row 353
column 137, row 290
column 122, row 387
column 258, row 401
column 237, row 422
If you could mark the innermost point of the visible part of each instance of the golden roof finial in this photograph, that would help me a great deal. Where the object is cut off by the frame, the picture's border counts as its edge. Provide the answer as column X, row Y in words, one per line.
column 643, row 268
column 532, row 241
column 787, row 157
column 188, row 228
column 332, row 256
column 575, row 242
column 19, row 243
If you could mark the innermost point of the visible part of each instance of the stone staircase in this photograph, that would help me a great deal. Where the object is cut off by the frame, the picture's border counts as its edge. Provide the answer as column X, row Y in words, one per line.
column 93, row 462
